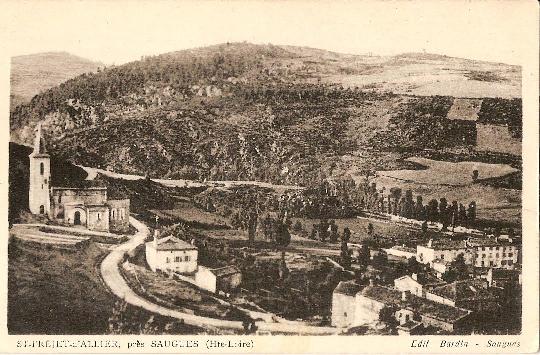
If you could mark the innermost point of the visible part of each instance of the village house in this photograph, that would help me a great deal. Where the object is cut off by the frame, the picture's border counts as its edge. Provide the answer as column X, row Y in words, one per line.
column 88, row 207
column 502, row 277
column 473, row 294
column 485, row 252
column 495, row 252
column 171, row 254
column 417, row 284
column 445, row 250
column 409, row 310
column 344, row 304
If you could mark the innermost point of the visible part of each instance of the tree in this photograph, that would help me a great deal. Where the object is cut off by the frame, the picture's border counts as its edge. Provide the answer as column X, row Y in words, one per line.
column 370, row 230
column 433, row 210
column 380, row 259
column 412, row 265
column 252, row 225
column 471, row 212
column 457, row 270
column 475, row 175
column 363, row 255
column 323, row 230
column 346, row 234
column 283, row 269
column 333, row 231
column 424, row 227
column 281, row 234
column 387, row 316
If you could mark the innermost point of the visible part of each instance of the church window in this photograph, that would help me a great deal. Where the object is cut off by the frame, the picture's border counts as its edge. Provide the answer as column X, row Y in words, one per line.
column 99, row 216
column 186, row 258
column 41, row 168
column 114, row 213
column 59, row 198
column 168, row 260
column 177, row 259
column 41, row 209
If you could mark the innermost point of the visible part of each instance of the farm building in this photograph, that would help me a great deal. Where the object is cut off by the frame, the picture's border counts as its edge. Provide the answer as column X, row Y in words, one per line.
column 225, row 279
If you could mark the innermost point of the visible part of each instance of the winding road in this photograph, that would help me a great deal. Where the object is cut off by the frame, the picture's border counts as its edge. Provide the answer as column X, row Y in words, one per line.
column 113, row 279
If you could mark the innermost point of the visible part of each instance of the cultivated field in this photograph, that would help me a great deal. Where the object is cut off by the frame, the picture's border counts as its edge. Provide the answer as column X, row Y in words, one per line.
column 448, row 173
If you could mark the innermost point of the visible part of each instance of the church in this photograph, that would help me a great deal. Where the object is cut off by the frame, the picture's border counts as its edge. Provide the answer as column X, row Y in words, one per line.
column 87, row 207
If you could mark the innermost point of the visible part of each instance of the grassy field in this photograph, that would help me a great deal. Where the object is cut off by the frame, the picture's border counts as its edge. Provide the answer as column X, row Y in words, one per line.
column 448, row 173
column 52, row 291
column 175, row 294
column 187, row 212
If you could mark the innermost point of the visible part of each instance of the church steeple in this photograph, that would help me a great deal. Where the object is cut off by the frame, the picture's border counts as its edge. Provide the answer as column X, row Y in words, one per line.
column 40, row 177
column 39, row 142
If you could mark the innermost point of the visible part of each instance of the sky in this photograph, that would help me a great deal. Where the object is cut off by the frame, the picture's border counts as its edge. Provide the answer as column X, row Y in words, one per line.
column 115, row 32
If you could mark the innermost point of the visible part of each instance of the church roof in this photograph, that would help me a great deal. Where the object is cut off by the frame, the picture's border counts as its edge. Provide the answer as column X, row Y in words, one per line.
column 40, row 149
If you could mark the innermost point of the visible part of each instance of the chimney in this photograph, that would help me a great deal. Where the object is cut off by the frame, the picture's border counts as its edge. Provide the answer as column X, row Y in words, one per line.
column 414, row 276
column 405, row 295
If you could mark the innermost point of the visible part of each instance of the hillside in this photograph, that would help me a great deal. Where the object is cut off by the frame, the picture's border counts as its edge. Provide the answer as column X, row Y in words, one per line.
column 34, row 73
column 257, row 112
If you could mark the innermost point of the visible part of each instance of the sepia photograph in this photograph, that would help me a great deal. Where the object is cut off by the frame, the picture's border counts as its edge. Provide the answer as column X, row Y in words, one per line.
column 268, row 168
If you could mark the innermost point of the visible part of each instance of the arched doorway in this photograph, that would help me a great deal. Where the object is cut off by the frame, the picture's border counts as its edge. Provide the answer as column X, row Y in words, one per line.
column 77, row 218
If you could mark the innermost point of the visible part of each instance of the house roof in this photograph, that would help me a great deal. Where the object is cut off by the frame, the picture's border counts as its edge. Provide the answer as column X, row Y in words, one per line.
column 349, row 288
column 447, row 244
column 172, row 243
column 425, row 278
column 225, row 271
column 402, row 248
column 465, row 290
column 423, row 306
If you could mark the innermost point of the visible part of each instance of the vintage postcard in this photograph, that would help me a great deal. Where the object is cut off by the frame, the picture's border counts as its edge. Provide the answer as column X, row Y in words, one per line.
column 269, row 177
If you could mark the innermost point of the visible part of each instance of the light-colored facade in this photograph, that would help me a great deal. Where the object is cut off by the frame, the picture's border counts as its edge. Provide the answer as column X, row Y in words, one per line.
column 498, row 255
column 87, row 207
column 368, row 303
column 171, row 254
column 40, row 177
column 445, row 252
column 408, row 283
column 477, row 252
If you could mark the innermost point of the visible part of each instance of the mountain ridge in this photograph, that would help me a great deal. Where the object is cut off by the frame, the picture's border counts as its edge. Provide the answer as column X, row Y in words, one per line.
column 255, row 112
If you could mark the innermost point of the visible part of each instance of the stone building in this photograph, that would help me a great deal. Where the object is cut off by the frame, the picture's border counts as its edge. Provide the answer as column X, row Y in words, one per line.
column 87, row 207
column 409, row 310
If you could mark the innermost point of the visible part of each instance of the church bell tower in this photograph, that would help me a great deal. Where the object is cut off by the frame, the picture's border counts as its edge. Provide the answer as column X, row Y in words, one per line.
column 40, row 177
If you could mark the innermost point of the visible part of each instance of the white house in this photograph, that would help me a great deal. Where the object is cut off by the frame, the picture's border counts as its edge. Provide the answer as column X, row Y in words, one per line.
column 171, row 254
column 480, row 252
